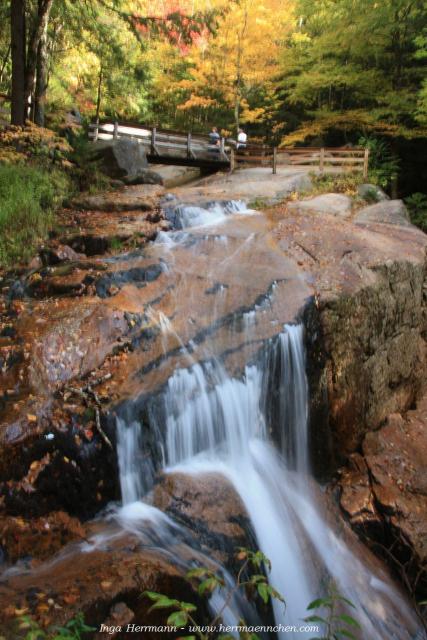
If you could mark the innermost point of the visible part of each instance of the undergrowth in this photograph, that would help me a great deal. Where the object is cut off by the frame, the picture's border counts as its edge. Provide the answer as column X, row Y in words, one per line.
column 28, row 197
column 336, row 183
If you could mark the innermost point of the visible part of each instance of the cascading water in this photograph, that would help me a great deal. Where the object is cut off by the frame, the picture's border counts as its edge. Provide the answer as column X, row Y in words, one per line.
column 214, row 422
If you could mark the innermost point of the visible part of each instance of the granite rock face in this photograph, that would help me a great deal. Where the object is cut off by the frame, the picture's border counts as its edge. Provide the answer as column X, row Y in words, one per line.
column 335, row 204
column 375, row 341
column 122, row 157
column 384, row 494
column 208, row 505
column 388, row 212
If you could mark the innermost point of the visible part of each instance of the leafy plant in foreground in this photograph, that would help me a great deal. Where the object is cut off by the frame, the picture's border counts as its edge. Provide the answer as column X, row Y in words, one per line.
column 337, row 626
column 72, row 630
column 205, row 582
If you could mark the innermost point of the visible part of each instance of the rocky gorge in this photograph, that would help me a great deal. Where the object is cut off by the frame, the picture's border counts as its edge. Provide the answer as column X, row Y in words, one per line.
column 147, row 296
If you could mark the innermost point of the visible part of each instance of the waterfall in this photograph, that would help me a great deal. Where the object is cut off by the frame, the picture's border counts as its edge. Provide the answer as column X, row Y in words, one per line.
column 184, row 216
column 217, row 423
column 212, row 421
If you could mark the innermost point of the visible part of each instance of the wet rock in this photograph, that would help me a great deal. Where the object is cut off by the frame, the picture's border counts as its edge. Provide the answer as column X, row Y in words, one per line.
column 39, row 538
column 384, row 493
column 371, row 193
column 122, row 157
column 208, row 505
column 389, row 212
column 74, row 344
column 93, row 583
column 112, row 282
column 334, row 204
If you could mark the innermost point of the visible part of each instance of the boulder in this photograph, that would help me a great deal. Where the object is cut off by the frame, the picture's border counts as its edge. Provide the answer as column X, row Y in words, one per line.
column 371, row 193
column 120, row 158
column 388, row 212
column 208, row 505
column 334, row 204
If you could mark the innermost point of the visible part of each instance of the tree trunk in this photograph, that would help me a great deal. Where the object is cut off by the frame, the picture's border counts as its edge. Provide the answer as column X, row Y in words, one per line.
column 39, row 27
column 41, row 80
column 17, row 33
column 99, row 95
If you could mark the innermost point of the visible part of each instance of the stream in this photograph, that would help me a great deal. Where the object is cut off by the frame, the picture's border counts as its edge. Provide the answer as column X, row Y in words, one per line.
column 213, row 422
column 229, row 395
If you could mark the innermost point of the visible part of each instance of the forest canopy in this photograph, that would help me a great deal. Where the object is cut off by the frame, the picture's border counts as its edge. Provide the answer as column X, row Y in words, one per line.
column 276, row 66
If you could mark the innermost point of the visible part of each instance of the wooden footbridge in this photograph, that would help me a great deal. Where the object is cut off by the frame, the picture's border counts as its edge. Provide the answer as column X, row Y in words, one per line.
column 194, row 150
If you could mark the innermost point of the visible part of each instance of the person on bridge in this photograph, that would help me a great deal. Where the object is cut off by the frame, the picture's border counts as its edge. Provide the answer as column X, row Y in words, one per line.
column 242, row 140
column 214, row 140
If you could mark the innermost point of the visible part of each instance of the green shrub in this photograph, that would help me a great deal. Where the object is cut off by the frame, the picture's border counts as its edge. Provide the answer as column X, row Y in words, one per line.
column 87, row 172
column 336, row 183
column 383, row 163
column 417, row 207
column 74, row 629
column 28, row 197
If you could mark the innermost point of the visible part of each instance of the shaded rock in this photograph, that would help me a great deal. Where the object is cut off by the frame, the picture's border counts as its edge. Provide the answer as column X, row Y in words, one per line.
column 93, row 583
column 137, row 198
column 58, row 254
column 208, row 505
column 38, row 538
column 371, row 193
column 146, row 176
column 389, row 212
column 120, row 615
column 384, row 492
column 334, row 204
column 122, row 157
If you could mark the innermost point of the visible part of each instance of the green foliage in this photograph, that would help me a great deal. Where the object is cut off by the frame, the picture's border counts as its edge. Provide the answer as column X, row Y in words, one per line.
column 87, row 172
column 383, row 163
column 417, row 206
column 204, row 582
column 331, row 66
column 337, row 626
column 74, row 629
column 28, row 197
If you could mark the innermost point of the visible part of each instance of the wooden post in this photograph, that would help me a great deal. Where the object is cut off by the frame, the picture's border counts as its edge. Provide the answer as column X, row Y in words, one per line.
column 322, row 160
column 153, row 141
column 274, row 160
column 366, row 163
column 232, row 160
column 116, row 130
column 222, row 146
column 188, row 145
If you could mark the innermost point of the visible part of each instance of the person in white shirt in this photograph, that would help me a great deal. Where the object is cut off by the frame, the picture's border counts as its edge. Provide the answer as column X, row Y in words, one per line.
column 242, row 139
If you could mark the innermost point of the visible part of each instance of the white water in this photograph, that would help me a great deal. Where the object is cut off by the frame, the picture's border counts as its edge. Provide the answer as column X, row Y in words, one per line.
column 185, row 216
column 214, row 422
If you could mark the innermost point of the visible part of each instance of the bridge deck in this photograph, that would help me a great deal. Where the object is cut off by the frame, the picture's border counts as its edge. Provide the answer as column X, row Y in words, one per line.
column 187, row 149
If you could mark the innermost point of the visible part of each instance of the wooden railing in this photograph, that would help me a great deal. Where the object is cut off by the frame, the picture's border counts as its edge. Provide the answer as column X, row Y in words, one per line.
column 161, row 142
column 164, row 144
column 351, row 158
